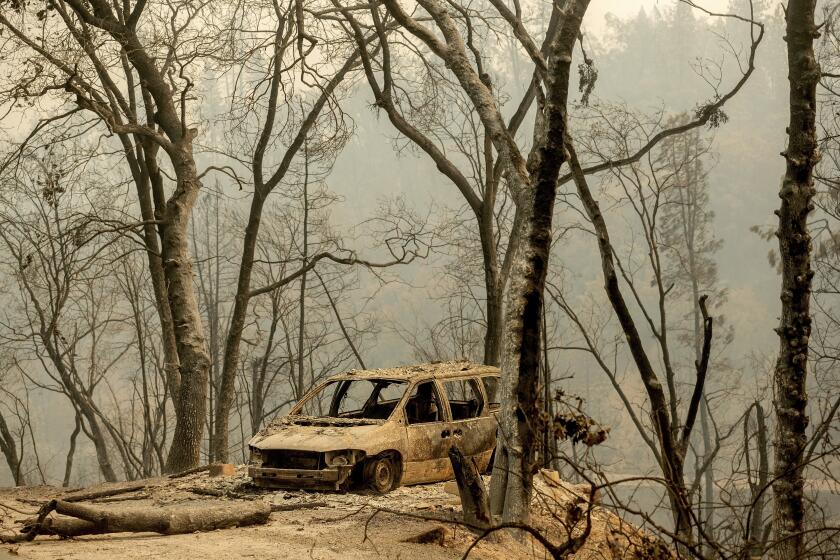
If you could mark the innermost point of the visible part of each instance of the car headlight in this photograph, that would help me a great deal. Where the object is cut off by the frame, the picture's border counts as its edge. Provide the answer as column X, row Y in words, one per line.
column 256, row 457
column 340, row 458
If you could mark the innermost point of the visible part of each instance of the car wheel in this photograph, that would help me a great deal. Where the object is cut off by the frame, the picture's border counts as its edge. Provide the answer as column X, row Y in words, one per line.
column 381, row 473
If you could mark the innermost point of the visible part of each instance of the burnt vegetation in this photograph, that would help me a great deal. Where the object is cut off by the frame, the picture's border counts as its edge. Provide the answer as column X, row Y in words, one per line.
column 218, row 217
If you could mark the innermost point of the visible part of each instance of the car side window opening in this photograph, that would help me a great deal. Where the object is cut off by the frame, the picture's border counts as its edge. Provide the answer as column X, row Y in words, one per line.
column 423, row 406
column 491, row 389
column 465, row 399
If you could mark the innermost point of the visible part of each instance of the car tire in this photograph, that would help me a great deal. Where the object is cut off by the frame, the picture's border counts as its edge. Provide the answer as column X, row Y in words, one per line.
column 382, row 473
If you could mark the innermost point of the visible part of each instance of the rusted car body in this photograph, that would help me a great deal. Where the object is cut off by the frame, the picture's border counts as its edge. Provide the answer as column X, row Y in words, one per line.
column 381, row 428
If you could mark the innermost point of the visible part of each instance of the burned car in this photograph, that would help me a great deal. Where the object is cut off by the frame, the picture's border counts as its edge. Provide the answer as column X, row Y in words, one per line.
column 380, row 428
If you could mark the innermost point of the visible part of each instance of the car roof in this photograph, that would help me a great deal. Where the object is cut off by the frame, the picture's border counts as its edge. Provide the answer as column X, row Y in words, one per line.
column 433, row 370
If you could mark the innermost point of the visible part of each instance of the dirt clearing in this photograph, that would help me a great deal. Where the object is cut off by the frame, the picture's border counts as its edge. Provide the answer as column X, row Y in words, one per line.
column 312, row 525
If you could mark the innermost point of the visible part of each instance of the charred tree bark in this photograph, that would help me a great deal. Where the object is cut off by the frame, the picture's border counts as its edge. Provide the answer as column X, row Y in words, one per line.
column 177, row 140
column 518, row 440
column 550, row 460
column 794, row 329
column 193, row 360
column 10, row 451
column 671, row 452
column 71, row 452
column 474, row 502
column 756, row 538
column 708, row 511
column 262, row 188
column 172, row 520
column 533, row 186
column 185, row 451
column 149, row 185
column 493, row 287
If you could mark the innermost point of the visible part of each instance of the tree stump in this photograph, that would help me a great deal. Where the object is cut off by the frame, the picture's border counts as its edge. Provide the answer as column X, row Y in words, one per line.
column 473, row 494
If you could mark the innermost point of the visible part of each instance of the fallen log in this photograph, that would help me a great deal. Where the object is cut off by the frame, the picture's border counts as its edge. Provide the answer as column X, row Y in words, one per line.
column 89, row 495
column 233, row 493
column 65, row 527
column 4, row 505
column 295, row 507
column 188, row 472
column 75, row 519
column 121, row 498
column 104, row 493
column 474, row 501
column 216, row 493
column 30, row 501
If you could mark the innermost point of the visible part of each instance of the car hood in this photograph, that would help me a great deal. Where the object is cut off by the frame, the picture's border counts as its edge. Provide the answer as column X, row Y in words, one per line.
column 304, row 433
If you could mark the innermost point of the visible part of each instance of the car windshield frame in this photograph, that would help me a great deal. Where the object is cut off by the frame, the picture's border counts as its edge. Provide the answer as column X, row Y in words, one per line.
column 379, row 384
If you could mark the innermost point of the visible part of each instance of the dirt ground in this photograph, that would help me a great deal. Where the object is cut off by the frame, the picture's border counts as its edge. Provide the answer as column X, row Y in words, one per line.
column 318, row 525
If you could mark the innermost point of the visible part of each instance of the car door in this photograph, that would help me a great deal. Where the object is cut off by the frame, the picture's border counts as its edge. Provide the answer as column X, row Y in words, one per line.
column 429, row 435
column 473, row 426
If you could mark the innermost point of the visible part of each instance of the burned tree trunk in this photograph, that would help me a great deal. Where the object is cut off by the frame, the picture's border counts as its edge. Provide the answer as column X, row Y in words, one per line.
column 71, row 452
column 756, row 537
column 219, row 446
column 173, row 135
column 493, row 287
column 263, row 186
column 10, row 451
column 150, row 195
column 794, row 329
column 533, row 186
column 671, row 452
column 518, row 441
column 191, row 401
column 77, row 519
column 474, row 502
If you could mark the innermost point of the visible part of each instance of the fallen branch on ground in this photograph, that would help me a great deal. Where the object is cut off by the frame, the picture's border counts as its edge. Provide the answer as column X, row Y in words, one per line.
column 293, row 507
column 121, row 498
column 106, row 493
column 84, row 496
column 77, row 519
column 188, row 472
column 12, row 508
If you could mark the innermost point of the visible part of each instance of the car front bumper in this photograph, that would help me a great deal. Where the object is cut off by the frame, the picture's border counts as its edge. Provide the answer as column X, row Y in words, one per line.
column 330, row 477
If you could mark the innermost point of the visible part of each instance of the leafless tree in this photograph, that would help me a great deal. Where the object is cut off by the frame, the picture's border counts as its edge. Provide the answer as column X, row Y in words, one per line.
column 532, row 183
column 149, row 397
column 115, row 77
column 645, row 194
column 796, row 193
column 297, row 333
column 11, row 443
column 672, row 430
column 50, row 234
column 689, row 241
column 460, row 52
column 310, row 117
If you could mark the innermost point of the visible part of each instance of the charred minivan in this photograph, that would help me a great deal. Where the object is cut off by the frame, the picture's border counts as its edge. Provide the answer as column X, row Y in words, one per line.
column 381, row 428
